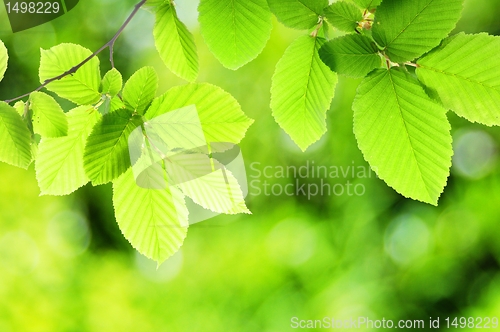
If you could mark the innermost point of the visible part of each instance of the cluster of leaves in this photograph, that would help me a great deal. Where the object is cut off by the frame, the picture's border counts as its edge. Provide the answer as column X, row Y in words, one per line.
column 412, row 76
column 91, row 142
column 413, row 73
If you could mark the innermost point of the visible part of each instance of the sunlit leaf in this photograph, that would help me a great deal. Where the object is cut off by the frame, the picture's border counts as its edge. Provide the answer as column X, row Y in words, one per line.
column 15, row 138
column 106, row 153
column 403, row 134
column 302, row 90
column 351, row 55
column 59, row 164
column 81, row 87
column 236, row 31
column 4, row 57
column 49, row 119
column 465, row 73
column 154, row 221
column 343, row 16
column 140, row 89
column 215, row 190
column 175, row 43
column 408, row 29
column 220, row 114
column 112, row 82
column 298, row 14
column 367, row 4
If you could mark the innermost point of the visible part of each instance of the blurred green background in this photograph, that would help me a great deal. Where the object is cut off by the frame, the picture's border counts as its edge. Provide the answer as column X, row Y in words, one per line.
column 65, row 266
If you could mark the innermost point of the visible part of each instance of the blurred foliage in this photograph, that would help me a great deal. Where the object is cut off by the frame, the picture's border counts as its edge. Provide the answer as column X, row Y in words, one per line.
column 64, row 265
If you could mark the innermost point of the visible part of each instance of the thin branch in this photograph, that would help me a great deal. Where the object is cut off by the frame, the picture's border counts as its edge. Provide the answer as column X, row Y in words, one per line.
column 110, row 44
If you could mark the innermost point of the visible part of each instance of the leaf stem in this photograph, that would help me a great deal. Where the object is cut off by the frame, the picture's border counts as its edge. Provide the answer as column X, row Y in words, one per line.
column 411, row 64
column 110, row 44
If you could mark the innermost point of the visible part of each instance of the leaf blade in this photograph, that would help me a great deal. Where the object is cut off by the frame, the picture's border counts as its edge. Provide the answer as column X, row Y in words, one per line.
column 175, row 43
column 302, row 90
column 408, row 29
column 49, row 119
column 15, row 137
column 207, row 182
column 140, row 89
column 106, row 154
column 81, row 87
column 220, row 115
column 367, row 4
column 4, row 58
column 59, row 164
column 153, row 221
column 246, row 24
column 297, row 14
column 112, row 82
column 403, row 134
column 343, row 16
column 464, row 73
column 351, row 55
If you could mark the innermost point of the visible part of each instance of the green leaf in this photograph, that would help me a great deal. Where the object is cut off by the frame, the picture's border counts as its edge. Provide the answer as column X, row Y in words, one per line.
column 367, row 4
column 175, row 43
column 104, row 105
column 20, row 107
column 15, row 138
column 116, row 103
column 106, row 154
column 207, row 182
column 154, row 221
column 403, row 134
column 4, row 57
column 408, row 29
column 351, row 55
column 219, row 113
column 152, row 5
column 464, row 72
column 140, row 89
column 302, row 90
column 112, row 82
column 236, row 31
column 81, row 87
column 59, row 164
column 298, row 14
column 343, row 16
column 49, row 119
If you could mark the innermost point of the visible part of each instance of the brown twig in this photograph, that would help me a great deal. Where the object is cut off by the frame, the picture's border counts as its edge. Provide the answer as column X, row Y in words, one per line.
column 110, row 44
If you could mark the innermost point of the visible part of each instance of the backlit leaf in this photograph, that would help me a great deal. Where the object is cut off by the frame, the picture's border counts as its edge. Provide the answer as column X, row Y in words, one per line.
column 403, row 134
column 302, row 90
column 298, row 14
column 4, row 57
column 49, row 119
column 106, row 153
column 175, row 43
column 343, row 16
column 235, row 31
column 408, row 29
column 140, row 89
column 15, row 138
column 465, row 73
column 154, row 221
column 59, row 164
column 220, row 115
column 112, row 82
column 351, row 55
column 81, row 87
